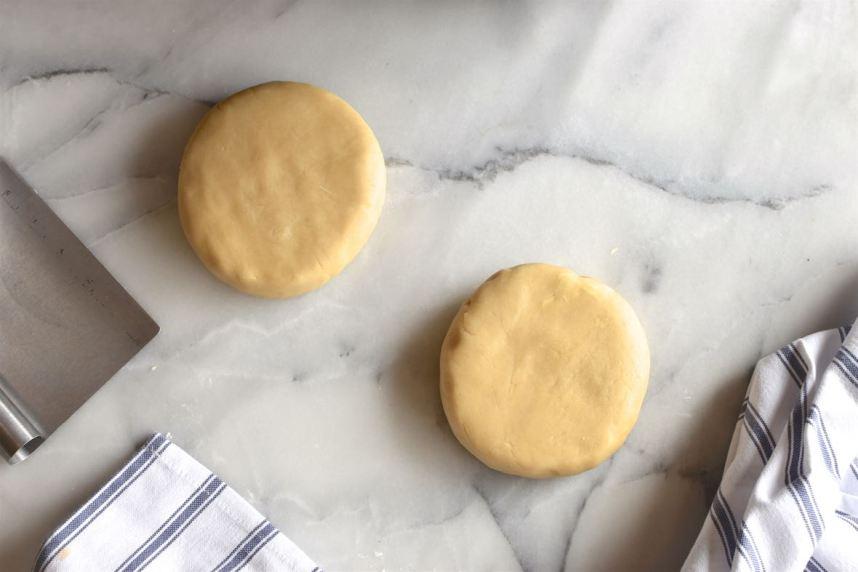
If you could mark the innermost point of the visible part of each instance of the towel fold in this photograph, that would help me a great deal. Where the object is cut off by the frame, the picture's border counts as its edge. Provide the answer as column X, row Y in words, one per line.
column 788, row 499
column 166, row 511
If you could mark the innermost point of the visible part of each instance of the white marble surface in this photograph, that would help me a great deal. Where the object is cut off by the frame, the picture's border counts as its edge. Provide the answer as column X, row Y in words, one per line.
column 702, row 158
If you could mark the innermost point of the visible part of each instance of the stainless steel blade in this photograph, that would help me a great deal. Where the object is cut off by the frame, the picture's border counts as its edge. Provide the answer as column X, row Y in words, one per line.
column 66, row 325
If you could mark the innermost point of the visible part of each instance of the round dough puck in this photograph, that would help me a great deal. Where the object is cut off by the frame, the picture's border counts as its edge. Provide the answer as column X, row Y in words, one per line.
column 543, row 372
column 280, row 187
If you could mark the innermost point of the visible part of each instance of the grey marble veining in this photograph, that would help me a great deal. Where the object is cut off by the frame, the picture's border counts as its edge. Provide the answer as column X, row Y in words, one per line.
column 700, row 158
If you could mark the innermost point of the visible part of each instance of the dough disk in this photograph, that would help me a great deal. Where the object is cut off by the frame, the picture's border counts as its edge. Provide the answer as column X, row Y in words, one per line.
column 280, row 186
column 543, row 372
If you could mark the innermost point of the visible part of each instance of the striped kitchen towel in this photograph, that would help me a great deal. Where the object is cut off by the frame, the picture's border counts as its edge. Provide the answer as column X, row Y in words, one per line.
column 165, row 511
column 788, row 499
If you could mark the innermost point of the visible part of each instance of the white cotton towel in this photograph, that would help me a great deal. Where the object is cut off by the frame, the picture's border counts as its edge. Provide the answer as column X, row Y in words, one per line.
column 165, row 511
column 788, row 499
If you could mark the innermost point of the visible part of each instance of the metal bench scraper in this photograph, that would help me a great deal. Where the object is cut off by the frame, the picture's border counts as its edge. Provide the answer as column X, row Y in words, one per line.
column 66, row 325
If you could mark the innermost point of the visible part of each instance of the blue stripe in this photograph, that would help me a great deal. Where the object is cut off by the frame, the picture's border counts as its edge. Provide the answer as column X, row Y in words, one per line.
column 762, row 423
column 753, row 550
column 829, row 445
column 795, row 424
column 854, row 470
column 759, row 432
column 794, row 477
column 828, row 454
column 805, row 495
column 850, row 375
column 743, row 417
column 744, row 546
column 252, row 549
column 177, row 526
column 815, row 515
column 851, row 520
column 247, row 538
column 782, row 356
column 818, row 565
column 796, row 354
column 847, row 358
column 756, row 442
column 190, row 521
column 849, row 353
column 794, row 362
column 791, row 468
column 731, row 520
column 728, row 533
column 102, row 500
column 170, row 519
column 724, row 543
column 795, row 497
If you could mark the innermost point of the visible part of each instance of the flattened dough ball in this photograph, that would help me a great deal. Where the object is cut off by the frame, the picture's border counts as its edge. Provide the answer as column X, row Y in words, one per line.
column 543, row 372
column 280, row 186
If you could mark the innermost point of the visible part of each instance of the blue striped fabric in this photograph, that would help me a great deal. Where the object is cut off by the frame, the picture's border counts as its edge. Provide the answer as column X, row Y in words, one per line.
column 174, row 526
column 848, row 364
column 758, row 432
column 814, row 566
column 102, row 500
column 849, row 519
column 165, row 511
column 734, row 538
column 719, row 518
column 242, row 549
column 794, row 476
column 786, row 500
column 246, row 550
column 815, row 418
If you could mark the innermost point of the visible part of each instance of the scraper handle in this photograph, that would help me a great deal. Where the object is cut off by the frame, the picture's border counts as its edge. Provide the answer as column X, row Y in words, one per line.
column 20, row 433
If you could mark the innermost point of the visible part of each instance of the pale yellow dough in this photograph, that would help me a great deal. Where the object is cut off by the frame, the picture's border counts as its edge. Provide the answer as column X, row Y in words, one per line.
column 543, row 372
column 280, row 186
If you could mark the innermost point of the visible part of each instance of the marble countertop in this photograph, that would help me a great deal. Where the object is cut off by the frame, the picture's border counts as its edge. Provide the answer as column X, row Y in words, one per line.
column 700, row 158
